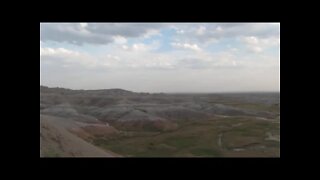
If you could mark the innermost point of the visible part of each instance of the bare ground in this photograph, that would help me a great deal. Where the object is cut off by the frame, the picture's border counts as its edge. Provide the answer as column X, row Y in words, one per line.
column 57, row 141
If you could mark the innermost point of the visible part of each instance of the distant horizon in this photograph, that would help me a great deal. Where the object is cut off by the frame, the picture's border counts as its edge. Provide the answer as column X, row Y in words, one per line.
column 167, row 92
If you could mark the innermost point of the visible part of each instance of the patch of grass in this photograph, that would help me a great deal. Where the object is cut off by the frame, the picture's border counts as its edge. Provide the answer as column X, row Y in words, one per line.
column 181, row 142
column 50, row 153
column 193, row 138
column 256, row 107
column 206, row 152
column 100, row 141
column 273, row 144
column 155, row 152
column 127, row 150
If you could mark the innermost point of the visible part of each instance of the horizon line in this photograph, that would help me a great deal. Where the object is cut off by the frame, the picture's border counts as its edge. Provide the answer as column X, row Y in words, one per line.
column 173, row 92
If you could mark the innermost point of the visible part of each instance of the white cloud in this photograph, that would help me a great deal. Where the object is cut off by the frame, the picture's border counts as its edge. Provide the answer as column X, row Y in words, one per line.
column 201, row 30
column 255, row 49
column 272, row 41
column 57, row 52
column 251, row 40
column 152, row 32
column 119, row 39
column 179, row 31
column 258, row 45
column 83, row 25
column 219, row 29
column 136, row 47
column 194, row 47
column 66, row 57
column 141, row 46
column 125, row 47
column 109, row 56
column 208, row 33
column 234, row 50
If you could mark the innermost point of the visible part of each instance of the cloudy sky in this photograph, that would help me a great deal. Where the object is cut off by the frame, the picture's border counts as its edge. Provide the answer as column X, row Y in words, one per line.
column 161, row 57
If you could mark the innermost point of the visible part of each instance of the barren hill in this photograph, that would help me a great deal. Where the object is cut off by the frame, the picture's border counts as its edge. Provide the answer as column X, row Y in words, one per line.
column 71, row 120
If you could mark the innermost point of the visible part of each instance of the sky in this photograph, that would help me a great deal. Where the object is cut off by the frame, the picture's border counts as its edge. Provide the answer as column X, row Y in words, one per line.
column 161, row 57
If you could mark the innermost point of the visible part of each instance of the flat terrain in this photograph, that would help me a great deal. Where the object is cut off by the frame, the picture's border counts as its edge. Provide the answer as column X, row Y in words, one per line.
column 120, row 123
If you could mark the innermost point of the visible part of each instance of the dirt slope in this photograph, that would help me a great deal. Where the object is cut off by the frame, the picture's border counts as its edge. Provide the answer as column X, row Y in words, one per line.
column 56, row 141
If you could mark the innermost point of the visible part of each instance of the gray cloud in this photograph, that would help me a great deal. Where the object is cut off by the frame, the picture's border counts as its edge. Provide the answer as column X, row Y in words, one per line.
column 262, row 30
column 71, row 33
column 122, row 29
column 102, row 33
column 93, row 33
column 211, row 32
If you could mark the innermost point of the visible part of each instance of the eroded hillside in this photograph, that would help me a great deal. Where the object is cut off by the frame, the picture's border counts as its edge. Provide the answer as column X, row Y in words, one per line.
column 116, row 122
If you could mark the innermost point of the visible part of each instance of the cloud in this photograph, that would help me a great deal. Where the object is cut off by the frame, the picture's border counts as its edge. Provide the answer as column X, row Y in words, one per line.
column 72, row 33
column 95, row 33
column 152, row 32
column 219, row 29
column 83, row 25
column 255, row 49
column 57, row 52
column 251, row 40
column 193, row 47
column 136, row 47
column 106, row 33
column 161, row 57
column 261, row 30
column 64, row 57
column 258, row 45
column 201, row 30
column 207, row 33
column 119, row 39
column 141, row 46
column 180, row 31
